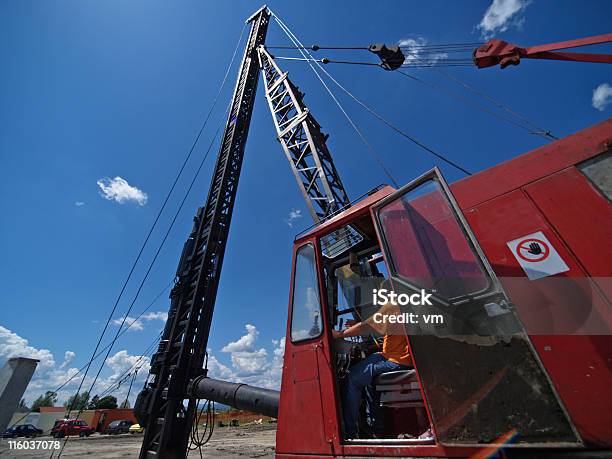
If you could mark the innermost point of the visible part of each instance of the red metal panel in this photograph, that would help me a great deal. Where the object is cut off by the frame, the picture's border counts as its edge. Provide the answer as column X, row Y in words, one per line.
column 532, row 166
column 300, row 414
column 576, row 219
column 581, row 215
column 305, row 397
column 577, row 365
column 583, row 218
column 405, row 451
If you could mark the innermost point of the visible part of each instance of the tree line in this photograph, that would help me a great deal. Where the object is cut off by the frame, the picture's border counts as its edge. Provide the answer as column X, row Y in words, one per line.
column 75, row 402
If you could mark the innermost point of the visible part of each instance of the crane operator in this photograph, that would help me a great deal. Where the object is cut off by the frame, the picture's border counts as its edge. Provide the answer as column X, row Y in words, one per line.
column 394, row 356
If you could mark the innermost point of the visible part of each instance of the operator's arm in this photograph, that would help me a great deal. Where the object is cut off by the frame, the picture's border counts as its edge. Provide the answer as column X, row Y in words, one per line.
column 368, row 325
column 358, row 329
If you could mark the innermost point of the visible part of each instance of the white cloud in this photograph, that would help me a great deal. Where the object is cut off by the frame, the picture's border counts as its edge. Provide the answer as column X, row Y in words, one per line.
column 119, row 190
column 217, row 370
column 49, row 376
column 412, row 49
column 275, row 371
column 250, row 363
column 79, row 203
column 156, row 315
column 602, row 96
column 13, row 345
column 68, row 357
column 294, row 214
column 246, row 359
column 122, row 361
column 502, row 14
column 244, row 343
column 137, row 325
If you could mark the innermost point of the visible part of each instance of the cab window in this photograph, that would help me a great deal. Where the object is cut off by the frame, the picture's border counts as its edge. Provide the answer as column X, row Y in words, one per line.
column 427, row 247
column 306, row 313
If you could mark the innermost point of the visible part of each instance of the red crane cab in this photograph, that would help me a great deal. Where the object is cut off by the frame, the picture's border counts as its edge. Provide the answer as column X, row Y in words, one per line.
column 514, row 352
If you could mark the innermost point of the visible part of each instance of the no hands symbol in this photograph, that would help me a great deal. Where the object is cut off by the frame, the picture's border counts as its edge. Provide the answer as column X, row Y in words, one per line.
column 537, row 255
column 533, row 250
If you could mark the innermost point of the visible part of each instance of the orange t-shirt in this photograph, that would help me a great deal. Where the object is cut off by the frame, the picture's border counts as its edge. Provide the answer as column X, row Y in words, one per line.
column 395, row 349
column 395, row 343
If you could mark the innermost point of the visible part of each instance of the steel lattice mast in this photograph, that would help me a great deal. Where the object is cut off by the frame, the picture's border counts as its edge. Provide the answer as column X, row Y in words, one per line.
column 303, row 142
column 179, row 359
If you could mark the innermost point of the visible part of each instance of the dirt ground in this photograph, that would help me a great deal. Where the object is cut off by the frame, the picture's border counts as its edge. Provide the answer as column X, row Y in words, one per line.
column 255, row 441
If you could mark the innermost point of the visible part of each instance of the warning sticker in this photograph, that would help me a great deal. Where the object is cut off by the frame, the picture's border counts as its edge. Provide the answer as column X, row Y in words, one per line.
column 537, row 256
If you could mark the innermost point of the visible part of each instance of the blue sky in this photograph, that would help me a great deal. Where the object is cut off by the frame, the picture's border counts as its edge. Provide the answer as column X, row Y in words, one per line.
column 90, row 91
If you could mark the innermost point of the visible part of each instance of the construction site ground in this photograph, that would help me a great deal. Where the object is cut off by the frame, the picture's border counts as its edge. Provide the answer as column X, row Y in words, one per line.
column 249, row 441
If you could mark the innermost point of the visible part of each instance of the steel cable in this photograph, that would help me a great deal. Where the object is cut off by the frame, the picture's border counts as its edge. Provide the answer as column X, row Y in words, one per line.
column 66, row 382
column 538, row 130
column 373, row 152
column 465, row 100
column 165, row 202
column 151, row 265
column 370, row 110
column 427, row 63
column 151, row 230
column 423, row 46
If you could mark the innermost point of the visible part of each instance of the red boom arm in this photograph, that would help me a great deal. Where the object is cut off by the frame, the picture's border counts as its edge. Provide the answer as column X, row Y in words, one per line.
column 500, row 52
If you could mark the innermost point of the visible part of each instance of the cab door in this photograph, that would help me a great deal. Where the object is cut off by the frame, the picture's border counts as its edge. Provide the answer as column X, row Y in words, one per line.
column 481, row 379
column 301, row 415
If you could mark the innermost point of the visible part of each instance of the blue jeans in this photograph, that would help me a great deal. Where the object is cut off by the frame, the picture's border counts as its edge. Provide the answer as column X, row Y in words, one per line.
column 360, row 378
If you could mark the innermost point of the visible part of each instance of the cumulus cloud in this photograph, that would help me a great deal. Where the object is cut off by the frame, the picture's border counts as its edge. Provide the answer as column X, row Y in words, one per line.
column 218, row 370
column 79, row 203
column 250, row 363
column 275, row 370
column 137, row 325
column 246, row 359
column 68, row 357
column 501, row 15
column 245, row 342
column 122, row 361
column 602, row 96
column 49, row 375
column 120, row 191
column 294, row 214
column 13, row 345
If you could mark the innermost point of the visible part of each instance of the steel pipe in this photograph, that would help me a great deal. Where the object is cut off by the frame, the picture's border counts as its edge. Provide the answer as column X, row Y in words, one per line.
column 240, row 396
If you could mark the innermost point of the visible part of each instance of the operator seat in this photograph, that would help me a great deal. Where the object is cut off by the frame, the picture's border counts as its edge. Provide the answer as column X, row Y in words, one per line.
column 399, row 389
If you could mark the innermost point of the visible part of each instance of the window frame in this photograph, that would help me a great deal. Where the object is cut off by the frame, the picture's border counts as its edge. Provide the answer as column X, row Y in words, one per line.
column 493, row 285
column 494, row 290
column 584, row 166
column 334, row 309
column 318, row 295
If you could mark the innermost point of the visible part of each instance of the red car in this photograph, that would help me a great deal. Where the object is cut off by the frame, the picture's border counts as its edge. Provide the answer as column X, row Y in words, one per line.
column 72, row 427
